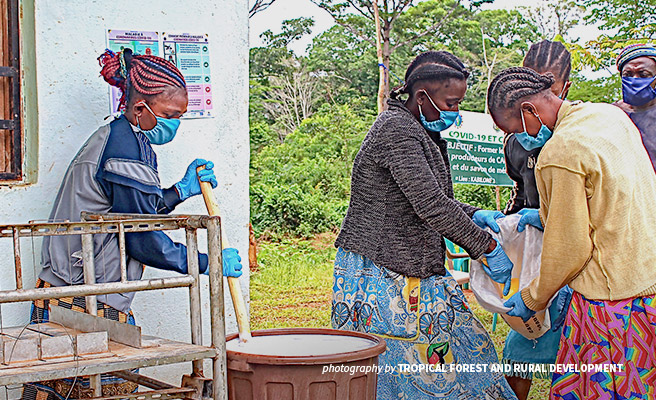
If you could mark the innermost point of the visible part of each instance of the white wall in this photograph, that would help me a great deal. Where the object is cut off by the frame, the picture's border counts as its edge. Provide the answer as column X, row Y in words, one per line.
column 73, row 102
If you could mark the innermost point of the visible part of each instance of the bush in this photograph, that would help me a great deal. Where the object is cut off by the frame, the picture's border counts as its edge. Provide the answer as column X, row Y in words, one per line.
column 302, row 186
column 481, row 196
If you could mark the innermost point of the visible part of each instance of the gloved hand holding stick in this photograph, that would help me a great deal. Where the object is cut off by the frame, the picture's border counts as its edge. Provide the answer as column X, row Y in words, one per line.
column 233, row 283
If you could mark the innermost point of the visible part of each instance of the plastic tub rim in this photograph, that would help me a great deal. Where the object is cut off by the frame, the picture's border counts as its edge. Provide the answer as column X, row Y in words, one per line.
column 378, row 347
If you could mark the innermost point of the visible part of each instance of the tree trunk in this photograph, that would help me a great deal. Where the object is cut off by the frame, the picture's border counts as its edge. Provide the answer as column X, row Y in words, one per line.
column 382, row 72
column 252, row 249
column 386, row 60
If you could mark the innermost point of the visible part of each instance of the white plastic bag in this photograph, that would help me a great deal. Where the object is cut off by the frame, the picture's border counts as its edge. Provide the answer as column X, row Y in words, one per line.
column 524, row 250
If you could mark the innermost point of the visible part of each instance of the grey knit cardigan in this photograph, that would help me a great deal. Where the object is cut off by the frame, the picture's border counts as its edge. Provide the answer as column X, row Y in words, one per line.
column 402, row 203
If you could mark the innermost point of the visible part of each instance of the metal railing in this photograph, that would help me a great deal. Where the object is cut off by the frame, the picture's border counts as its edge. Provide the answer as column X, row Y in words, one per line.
column 121, row 224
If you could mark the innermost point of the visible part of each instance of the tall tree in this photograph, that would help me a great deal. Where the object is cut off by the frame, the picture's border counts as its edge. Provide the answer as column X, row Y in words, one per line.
column 291, row 99
column 345, row 14
column 259, row 6
column 555, row 18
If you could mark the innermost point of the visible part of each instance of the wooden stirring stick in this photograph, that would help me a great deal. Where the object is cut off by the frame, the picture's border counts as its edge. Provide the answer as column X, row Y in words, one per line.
column 233, row 283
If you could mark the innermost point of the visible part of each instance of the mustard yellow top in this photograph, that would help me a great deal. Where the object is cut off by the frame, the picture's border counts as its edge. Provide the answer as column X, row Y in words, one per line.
column 598, row 206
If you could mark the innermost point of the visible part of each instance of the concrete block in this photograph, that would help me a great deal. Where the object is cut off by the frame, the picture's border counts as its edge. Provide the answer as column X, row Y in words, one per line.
column 21, row 333
column 92, row 343
column 21, row 350
column 57, row 346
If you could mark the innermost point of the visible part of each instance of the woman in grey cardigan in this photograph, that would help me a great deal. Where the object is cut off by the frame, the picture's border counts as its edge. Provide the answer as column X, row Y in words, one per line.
column 390, row 278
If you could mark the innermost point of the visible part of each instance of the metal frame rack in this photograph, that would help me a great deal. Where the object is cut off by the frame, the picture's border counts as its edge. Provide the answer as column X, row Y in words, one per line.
column 125, row 357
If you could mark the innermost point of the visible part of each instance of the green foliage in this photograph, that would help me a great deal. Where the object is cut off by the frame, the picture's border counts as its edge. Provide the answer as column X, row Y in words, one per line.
column 260, row 122
column 601, row 90
column 272, row 58
column 623, row 22
column 624, row 16
column 481, row 196
column 346, row 62
column 349, row 62
column 302, row 186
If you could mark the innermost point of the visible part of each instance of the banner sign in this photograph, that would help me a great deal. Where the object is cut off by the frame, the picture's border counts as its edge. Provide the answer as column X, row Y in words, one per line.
column 476, row 151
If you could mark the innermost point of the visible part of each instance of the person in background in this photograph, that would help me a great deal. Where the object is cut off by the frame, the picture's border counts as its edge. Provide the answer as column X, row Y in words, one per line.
column 116, row 171
column 521, row 155
column 545, row 56
column 597, row 190
column 637, row 66
column 389, row 276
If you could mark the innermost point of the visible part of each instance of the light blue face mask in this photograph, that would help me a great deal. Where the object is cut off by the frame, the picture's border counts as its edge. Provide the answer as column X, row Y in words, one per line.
column 163, row 132
column 447, row 118
column 529, row 142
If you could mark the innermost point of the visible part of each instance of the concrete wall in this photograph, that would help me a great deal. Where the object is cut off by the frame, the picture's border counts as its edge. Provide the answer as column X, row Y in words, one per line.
column 73, row 101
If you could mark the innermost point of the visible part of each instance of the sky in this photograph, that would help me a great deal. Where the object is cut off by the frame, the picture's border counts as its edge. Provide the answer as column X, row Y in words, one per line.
column 281, row 10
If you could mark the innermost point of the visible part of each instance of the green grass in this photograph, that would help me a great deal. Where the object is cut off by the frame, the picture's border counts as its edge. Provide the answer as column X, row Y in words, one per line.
column 293, row 284
column 293, row 288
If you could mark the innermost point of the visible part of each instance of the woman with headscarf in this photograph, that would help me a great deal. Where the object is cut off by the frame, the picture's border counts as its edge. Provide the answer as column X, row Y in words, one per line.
column 116, row 171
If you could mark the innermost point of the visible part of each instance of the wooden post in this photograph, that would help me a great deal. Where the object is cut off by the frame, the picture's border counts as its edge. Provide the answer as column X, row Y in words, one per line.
column 252, row 249
column 498, row 195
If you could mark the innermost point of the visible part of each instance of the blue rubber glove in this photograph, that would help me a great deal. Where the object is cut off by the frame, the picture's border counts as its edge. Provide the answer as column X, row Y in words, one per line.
column 189, row 185
column 563, row 300
column 499, row 267
column 231, row 263
column 518, row 307
column 485, row 218
column 530, row 216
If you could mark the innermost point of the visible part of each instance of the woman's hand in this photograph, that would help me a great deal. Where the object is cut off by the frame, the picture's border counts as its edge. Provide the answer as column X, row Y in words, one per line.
column 189, row 185
column 518, row 307
column 487, row 218
column 530, row 216
column 499, row 267
column 231, row 263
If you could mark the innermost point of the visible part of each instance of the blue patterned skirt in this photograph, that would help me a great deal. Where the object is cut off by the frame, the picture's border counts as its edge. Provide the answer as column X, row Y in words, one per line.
column 425, row 322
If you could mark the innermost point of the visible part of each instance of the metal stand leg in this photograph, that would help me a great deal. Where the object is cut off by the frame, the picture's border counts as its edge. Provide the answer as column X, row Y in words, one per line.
column 220, row 376
column 194, row 297
column 88, row 259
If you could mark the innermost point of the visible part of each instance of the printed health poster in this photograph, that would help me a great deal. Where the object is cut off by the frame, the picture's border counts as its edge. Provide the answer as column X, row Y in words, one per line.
column 140, row 42
column 191, row 54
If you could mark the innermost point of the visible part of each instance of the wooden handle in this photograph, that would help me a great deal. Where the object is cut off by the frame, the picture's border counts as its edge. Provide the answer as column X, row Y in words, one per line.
column 233, row 283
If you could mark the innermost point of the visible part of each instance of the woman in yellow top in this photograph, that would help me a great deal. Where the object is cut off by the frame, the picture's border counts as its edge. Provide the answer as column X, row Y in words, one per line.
column 597, row 190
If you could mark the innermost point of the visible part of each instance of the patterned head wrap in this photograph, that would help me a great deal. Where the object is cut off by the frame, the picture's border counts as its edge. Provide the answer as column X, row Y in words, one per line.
column 634, row 51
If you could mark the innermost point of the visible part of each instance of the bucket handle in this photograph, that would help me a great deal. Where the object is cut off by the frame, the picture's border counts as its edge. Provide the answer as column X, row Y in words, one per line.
column 238, row 365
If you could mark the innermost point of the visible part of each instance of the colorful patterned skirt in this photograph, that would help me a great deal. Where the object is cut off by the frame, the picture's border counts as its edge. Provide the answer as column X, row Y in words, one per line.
column 76, row 388
column 425, row 322
column 607, row 333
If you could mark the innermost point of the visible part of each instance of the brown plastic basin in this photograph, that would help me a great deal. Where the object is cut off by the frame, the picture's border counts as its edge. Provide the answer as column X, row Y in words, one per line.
column 276, row 376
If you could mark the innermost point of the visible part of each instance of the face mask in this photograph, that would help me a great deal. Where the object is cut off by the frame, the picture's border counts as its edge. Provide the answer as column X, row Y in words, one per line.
column 447, row 118
column 163, row 132
column 529, row 142
column 637, row 91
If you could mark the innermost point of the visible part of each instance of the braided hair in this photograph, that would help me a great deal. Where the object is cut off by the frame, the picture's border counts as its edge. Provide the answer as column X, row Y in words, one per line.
column 147, row 75
column 514, row 84
column 433, row 66
column 548, row 56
